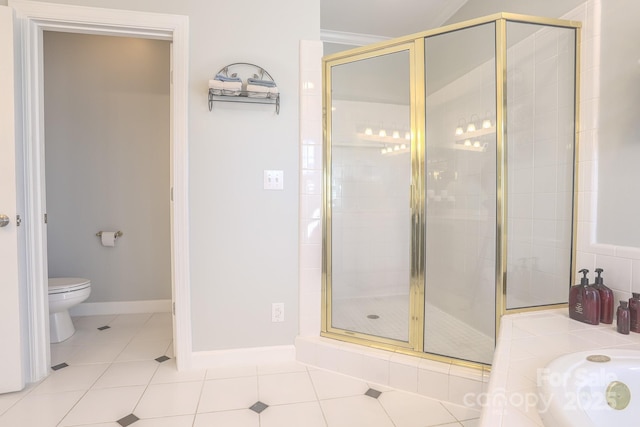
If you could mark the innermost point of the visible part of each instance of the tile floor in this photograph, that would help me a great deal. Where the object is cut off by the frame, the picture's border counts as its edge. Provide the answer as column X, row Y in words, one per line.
column 117, row 377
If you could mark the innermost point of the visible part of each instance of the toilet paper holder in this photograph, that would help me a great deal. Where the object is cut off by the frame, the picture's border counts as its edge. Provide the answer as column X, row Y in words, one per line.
column 118, row 234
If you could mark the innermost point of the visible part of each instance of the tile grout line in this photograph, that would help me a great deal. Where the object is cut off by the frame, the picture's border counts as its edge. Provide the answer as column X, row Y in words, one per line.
column 85, row 391
column 324, row 417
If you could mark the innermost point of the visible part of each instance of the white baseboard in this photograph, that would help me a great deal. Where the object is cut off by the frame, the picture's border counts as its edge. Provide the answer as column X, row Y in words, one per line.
column 121, row 307
column 242, row 356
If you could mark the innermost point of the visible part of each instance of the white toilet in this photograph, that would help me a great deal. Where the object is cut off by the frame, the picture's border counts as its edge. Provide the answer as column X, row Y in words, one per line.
column 64, row 293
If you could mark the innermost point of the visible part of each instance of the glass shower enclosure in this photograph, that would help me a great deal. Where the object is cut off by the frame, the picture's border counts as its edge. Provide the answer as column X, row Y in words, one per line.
column 449, row 184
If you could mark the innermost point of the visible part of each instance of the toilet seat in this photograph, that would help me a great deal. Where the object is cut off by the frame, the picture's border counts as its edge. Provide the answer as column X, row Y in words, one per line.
column 62, row 285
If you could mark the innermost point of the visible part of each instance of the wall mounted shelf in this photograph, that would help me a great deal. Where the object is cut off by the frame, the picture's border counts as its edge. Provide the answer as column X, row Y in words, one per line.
column 244, row 71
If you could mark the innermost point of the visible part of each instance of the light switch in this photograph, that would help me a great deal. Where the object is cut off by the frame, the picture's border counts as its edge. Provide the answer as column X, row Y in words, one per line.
column 273, row 180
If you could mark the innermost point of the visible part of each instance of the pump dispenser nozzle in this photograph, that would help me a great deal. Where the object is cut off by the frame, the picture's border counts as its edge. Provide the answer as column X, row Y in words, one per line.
column 599, row 280
column 584, row 280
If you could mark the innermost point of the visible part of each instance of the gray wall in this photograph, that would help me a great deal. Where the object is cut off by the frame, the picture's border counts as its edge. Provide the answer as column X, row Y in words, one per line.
column 243, row 239
column 107, row 163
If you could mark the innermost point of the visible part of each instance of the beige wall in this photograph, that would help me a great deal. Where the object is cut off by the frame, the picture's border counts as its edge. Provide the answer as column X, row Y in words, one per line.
column 107, row 163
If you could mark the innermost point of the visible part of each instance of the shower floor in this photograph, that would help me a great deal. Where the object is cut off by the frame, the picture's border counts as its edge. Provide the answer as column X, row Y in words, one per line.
column 389, row 316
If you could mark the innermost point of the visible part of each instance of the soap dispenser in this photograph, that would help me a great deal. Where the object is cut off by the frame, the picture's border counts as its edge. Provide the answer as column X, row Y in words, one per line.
column 584, row 301
column 623, row 318
column 606, row 299
column 634, row 311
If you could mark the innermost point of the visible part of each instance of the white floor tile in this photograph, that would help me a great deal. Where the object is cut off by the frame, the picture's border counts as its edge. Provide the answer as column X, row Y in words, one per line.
column 232, row 372
column 357, row 411
column 113, row 424
column 410, row 410
column 181, row 421
column 43, row 410
column 62, row 353
column 281, row 368
column 228, row 394
column 92, row 322
column 329, row 385
column 121, row 374
column 170, row 351
column 306, row 414
column 163, row 400
column 168, row 373
column 144, row 350
column 241, row 418
column 136, row 321
column 280, row 389
column 5, row 404
column 104, row 405
column 461, row 412
column 72, row 378
column 471, row 423
column 112, row 374
column 115, row 335
column 101, row 353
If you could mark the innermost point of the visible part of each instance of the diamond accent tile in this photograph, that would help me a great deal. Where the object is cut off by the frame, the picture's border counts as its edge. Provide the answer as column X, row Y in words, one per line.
column 162, row 359
column 128, row 420
column 102, row 328
column 373, row 393
column 59, row 366
column 258, row 407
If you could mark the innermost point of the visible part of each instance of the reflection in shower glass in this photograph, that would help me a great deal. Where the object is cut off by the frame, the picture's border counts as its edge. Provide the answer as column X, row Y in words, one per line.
column 370, row 205
column 540, row 135
column 460, row 194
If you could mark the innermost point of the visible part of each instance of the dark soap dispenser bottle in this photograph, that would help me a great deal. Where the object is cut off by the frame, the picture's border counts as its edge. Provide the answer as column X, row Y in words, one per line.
column 634, row 311
column 584, row 301
column 606, row 299
column 623, row 318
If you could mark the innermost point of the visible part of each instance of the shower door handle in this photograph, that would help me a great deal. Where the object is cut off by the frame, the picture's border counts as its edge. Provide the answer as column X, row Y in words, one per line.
column 4, row 220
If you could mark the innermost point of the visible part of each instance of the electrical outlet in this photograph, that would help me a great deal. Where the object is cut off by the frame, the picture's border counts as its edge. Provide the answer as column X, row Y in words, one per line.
column 277, row 312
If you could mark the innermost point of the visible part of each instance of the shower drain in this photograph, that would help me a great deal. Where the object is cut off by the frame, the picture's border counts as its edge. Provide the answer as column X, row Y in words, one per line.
column 373, row 316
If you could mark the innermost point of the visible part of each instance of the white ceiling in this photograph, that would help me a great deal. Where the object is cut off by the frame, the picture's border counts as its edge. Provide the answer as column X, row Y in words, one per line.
column 386, row 18
column 396, row 18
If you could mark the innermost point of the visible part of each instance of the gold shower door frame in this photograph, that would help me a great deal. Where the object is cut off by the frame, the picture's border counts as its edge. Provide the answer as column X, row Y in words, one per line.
column 415, row 45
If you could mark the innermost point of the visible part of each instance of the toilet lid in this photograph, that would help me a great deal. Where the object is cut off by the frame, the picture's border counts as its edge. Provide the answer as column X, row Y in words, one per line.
column 58, row 285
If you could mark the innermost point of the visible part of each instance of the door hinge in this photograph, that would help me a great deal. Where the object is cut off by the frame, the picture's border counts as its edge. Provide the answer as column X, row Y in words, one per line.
column 46, row 219
column 173, row 304
column 171, row 194
column 18, row 220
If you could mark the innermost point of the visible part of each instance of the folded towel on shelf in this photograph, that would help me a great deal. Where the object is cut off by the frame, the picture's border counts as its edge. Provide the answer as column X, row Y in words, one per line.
column 258, row 82
column 258, row 91
column 230, row 88
column 216, row 84
column 224, row 78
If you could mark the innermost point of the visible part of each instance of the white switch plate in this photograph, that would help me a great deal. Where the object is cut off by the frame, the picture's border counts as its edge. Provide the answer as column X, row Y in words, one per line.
column 273, row 180
column 277, row 312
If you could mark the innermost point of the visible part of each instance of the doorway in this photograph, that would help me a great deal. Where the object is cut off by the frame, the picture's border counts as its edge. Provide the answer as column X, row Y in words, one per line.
column 106, row 110
column 34, row 18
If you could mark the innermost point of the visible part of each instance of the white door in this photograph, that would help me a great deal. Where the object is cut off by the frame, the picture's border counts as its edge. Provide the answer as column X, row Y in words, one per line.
column 11, row 363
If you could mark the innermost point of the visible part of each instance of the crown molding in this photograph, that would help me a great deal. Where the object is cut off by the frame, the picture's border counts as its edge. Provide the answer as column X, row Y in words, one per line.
column 353, row 39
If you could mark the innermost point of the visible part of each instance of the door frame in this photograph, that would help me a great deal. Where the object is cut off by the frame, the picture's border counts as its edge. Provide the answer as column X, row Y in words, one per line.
column 32, row 18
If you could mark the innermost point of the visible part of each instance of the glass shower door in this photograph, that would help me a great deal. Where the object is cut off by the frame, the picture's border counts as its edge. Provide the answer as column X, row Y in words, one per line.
column 368, row 203
column 460, row 199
